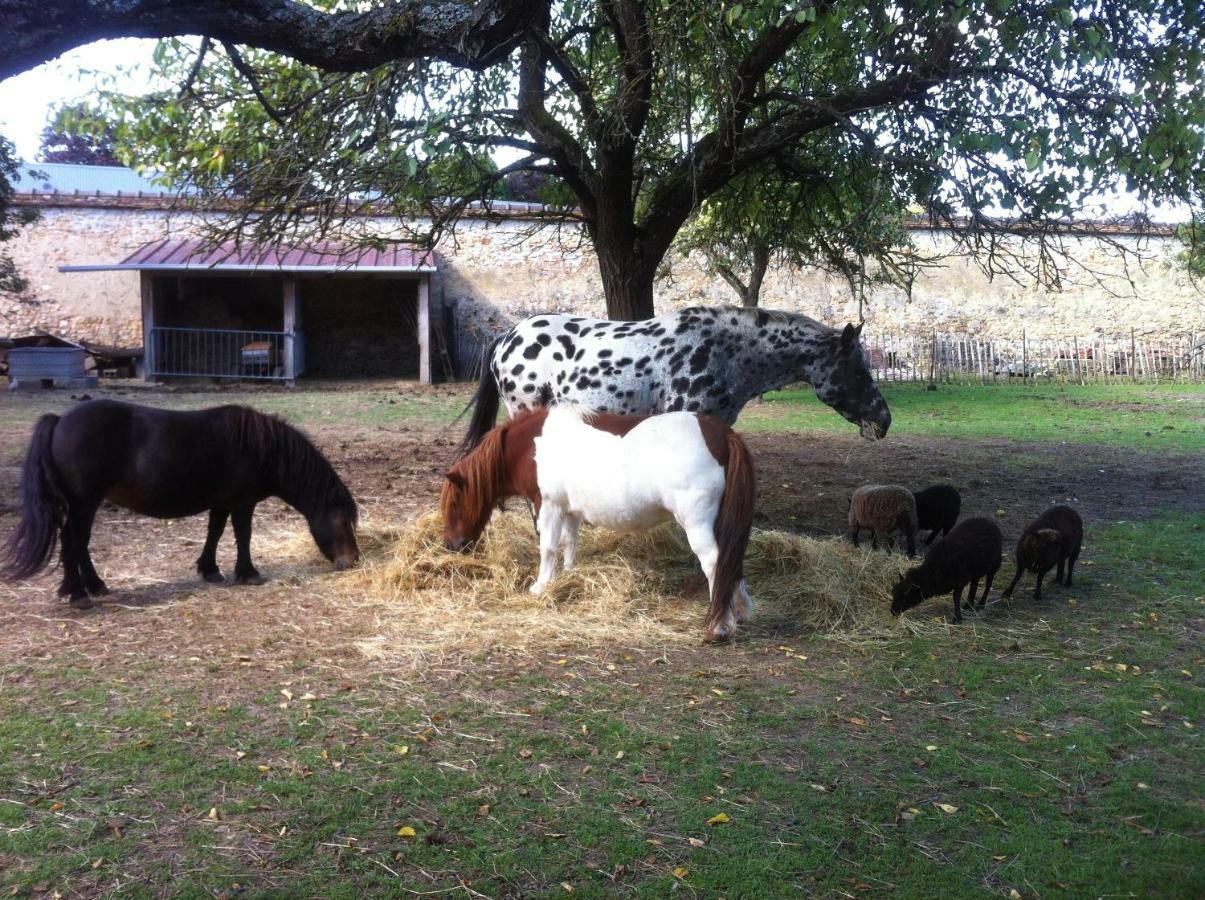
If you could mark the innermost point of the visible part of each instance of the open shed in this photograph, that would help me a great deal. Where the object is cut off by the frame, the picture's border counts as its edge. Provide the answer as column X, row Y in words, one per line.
column 276, row 313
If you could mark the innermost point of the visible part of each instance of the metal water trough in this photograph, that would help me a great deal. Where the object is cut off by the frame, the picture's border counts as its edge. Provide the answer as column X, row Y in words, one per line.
column 58, row 366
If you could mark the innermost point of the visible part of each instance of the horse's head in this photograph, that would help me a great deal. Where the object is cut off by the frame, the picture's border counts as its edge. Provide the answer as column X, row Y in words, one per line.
column 471, row 489
column 843, row 382
column 333, row 528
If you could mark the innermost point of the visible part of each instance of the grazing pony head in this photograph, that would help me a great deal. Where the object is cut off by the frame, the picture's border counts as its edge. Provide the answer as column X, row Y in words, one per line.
column 333, row 528
column 471, row 489
column 303, row 478
column 842, row 380
column 906, row 593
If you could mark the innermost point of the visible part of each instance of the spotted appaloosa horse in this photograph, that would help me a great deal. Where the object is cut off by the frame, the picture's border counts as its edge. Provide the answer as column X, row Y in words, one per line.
column 628, row 473
column 712, row 360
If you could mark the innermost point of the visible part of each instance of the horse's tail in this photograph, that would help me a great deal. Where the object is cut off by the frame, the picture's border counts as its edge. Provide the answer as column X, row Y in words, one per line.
column 43, row 509
column 484, row 403
column 732, row 527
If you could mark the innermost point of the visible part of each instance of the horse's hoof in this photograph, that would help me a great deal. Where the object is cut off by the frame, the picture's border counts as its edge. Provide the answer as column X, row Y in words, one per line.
column 536, row 589
column 100, row 589
column 84, row 602
column 255, row 579
column 214, row 577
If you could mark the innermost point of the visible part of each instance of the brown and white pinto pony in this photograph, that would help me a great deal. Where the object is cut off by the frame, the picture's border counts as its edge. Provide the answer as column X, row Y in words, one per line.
column 628, row 473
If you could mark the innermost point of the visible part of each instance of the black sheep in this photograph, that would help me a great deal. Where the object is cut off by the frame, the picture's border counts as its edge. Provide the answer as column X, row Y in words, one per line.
column 1053, row 538
column 971, row 551
column 937, row 507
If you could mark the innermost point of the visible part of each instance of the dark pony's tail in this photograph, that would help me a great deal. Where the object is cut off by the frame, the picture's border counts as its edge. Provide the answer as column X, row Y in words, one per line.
column 484, row 403
column 43, row 509
column 732, row 527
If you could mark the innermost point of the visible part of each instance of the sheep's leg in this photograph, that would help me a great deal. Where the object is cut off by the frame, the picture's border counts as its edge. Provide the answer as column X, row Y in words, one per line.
column 874, row 541
column 1037, row 591
column 987, row 587
column 971, row 596
column 1071, row 565
column 853, row 534
column 911, row 536
column 1058, row 575
column 958, row 606
column 932, row 535
column 1008, row 591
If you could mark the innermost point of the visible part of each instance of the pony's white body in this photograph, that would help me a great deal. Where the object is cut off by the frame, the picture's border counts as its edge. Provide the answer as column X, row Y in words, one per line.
column 662, row 469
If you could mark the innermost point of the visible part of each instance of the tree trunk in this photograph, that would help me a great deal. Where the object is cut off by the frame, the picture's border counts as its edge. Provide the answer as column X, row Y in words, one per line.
column 757, row 274
column 627, row 280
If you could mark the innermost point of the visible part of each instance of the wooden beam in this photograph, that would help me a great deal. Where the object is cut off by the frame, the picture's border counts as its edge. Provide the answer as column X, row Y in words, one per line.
column 147, row 289
column 424, row 329
column 290, row 321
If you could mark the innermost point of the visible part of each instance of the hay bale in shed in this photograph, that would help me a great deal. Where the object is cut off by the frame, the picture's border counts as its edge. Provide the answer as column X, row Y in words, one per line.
column 641, row 589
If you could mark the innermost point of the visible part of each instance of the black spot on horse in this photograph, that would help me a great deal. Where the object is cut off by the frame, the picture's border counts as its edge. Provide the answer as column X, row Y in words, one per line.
column 567, row 343
column 544, row 339
column 532, row 351
column 540, row 323
column 517, row 370
column 545, row 395
column 603, row 354
column 699, row 360
column 700, row 384
column 572, row 327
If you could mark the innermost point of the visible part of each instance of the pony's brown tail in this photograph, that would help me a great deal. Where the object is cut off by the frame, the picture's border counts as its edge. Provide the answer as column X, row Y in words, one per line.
column 43, row 509
column 732, row 527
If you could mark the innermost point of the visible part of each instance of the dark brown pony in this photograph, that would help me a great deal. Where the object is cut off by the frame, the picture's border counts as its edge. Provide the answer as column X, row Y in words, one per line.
column 621, row 472
column 168, row 464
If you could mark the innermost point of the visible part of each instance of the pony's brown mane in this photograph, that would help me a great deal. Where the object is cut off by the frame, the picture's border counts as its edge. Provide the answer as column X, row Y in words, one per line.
column 483, row 480
column 303, row 476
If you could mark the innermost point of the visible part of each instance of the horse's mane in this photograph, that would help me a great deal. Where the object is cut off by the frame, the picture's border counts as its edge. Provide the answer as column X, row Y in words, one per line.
column 482, row 474
column 304, row 477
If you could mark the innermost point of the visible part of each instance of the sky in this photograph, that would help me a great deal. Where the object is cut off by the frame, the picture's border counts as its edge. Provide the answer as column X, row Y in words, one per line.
column 26, row 99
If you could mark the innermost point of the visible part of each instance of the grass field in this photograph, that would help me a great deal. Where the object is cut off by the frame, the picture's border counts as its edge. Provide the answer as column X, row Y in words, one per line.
column 1049, row 750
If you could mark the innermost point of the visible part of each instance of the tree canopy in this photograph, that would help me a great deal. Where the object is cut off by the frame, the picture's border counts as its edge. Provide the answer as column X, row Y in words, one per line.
column 992, row 115
column 11, row 219
column 71, row 145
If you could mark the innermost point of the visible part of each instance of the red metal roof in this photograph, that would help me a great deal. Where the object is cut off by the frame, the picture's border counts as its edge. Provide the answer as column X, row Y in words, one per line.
column 318, row 257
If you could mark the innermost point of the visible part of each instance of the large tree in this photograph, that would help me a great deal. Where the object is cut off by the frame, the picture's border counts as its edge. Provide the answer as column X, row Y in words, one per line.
column 993, row 115
column 834, row 214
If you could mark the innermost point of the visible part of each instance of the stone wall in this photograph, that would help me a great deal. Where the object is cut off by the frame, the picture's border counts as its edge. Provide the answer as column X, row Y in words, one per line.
column 492, row 273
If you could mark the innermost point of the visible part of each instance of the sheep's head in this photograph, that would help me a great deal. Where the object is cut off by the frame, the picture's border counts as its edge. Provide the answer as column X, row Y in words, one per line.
column 1041, row 548
column 906, row 594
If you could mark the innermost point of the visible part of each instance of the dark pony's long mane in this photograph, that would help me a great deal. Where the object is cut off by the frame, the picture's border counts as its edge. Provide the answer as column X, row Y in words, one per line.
column 301, row 474
column 475, row 484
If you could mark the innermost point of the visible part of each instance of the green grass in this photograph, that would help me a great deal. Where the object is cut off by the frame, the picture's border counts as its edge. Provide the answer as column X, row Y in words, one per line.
column 1064, row 743
column 1139, row 416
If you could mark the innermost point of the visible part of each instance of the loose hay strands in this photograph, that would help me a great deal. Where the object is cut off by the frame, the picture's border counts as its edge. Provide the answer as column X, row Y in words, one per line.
column 626, row 589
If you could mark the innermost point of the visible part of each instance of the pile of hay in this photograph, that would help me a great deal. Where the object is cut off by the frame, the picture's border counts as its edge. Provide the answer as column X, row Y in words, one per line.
column 640, row 589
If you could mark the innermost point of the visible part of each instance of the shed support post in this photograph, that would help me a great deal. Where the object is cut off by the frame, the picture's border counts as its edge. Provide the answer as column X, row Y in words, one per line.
column 147, row 288
column 289, row 327
column 424, row 329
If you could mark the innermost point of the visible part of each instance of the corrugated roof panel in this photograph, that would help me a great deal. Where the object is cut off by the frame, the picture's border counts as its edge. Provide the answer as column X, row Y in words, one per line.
column 69, row 178
column 325, row 257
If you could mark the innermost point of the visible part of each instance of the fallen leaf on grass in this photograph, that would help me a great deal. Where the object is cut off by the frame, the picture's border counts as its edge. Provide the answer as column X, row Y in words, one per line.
column 696, row 842
column 931, row 747
column 213, row 813
column 946, row 808
column 406, row 831
column 525, row 753
column 483, row 810
column 98, row 862
column 567, row 887
column 288, row 695
column 56, row 806
column 681, row 872
column 855, row 720
column 402, row 749
column 718, row 819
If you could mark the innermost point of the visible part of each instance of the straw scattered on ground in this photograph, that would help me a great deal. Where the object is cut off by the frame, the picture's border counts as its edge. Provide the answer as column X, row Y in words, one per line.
column 642, row 589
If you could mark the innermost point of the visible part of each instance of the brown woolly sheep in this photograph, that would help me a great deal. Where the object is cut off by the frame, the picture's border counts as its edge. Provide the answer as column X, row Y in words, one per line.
column 1053, row 538
column 971, row 551
column 883, row 508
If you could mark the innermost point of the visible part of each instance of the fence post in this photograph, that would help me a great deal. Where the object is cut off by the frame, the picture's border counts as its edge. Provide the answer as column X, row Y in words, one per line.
column 1133, row 357
column 1024, row 357
column 933, row 358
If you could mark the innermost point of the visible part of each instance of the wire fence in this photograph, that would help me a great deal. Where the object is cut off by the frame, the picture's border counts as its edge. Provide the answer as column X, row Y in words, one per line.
column 224, row 353
column 938, row 357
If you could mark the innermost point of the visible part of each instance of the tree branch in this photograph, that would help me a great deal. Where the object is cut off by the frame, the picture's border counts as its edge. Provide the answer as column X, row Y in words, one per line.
column 471, row 34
